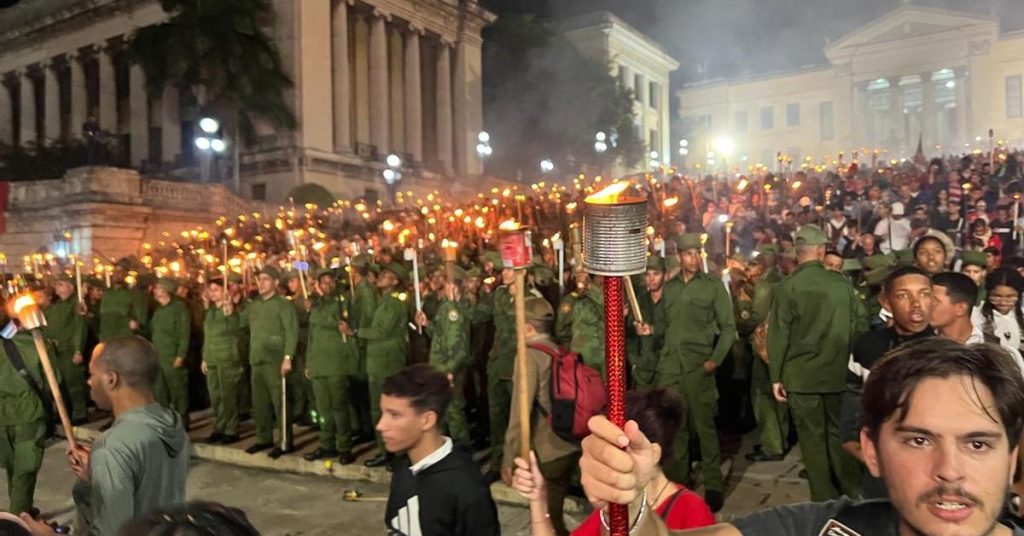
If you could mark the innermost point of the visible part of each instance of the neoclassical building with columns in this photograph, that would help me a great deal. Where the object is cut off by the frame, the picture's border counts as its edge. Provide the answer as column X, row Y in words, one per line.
column 918, row 73
column 372, row 77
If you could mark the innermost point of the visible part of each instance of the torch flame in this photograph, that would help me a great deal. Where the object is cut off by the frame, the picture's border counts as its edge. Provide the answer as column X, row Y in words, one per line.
column 23, row 301
column 613, row 194
column 388, row 226
column 509, row 225
column 671, row 202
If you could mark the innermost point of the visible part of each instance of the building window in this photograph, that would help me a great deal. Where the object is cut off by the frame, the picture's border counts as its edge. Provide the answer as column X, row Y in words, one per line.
column 259, row 191
column 1014, row 97
column 826, row 125
column 767, row 118
column 740, row 121
column 652, row 98
column 638, row 87
column 793, row 115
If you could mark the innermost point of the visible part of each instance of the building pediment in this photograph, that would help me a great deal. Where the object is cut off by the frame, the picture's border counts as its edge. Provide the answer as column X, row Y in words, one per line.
column 912, row 24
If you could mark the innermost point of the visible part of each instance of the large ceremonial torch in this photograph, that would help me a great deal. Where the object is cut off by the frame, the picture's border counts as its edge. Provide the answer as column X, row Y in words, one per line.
column 517, row 255
column 559, row 245
column 614, row 220
column 32, row 319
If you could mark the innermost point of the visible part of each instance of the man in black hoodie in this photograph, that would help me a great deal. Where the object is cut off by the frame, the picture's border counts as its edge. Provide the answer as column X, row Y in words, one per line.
column 436, row 490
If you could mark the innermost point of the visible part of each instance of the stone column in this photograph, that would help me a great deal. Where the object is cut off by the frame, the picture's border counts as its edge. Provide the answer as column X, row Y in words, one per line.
column 79, row 104
column 6, row 114
column 963, row 130
column 467, row 89
column 396, row 79
column 107, row 82
column 896, row 134
column 379, row 84
column 51, row 103
column 413, row 97
column 362, row 80
column 139, row 114
column 340, row 70
column 859, row 115
column 928, row 130
column 27, row 94
column 170, row 126
column 444, row 107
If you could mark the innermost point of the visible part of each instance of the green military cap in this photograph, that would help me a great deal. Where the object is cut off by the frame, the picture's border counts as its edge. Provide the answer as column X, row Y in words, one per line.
column 373, row 268
column 768, row 248
column 146, row 279
column 64, row 277
column 538, row 309
column 361, row 260
column 396, row 268
column 878, row 261
column 671, row 263
column 272, row 271
column 852, row 265
column 474, row 271
column 977, row 258
column 325, row 271
column 876, row 277
column 656, row 263
column 169, row 284
column 810, row 235
column 494, row 257
column 687, row 241
column 905, row 257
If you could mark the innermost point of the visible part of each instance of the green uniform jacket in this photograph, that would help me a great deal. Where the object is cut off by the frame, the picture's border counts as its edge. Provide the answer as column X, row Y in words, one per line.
column 387, row 337
column 698, row 324
column 363, row 306
column 221, row 336
column 503, row 352
column 588, row 328
column 449, row 332
column 273, row 329
column 650, row 347
column 19, row 404
column 563, row 318
column 328, row 353
column 65, row 327
column 171, row 327
column 118, row 306
column 763, row 290
column 815, row 318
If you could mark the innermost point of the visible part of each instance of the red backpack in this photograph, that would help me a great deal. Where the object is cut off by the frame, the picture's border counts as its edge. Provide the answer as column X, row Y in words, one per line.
column 577, row 393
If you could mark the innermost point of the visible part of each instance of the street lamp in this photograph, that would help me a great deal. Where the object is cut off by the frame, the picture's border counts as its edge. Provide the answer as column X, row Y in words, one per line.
column 724, row 146
column 600, row 142
column 547, row 166
column 483, row 147
column 655, row 163
column 210, row 143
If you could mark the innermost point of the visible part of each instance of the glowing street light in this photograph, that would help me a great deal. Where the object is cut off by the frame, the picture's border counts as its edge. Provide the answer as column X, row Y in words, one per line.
column 724, row 145
column 393, row 160
column 547, row 166
column 209, row 125
column 483, row 148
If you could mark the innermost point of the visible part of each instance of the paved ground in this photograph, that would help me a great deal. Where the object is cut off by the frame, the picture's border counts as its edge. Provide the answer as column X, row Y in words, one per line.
column 292, row 497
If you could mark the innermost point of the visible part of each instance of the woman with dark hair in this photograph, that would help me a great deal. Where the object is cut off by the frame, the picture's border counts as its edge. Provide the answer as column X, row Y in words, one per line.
column 192, row 519
column 659, row 412
column 1000, row 316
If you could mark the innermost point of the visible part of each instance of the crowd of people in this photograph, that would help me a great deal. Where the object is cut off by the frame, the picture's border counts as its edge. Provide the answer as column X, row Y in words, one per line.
column 782, row 291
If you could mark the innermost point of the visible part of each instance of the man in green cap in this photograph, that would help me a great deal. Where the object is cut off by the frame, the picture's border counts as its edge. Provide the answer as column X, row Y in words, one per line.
column 645, row 362
column 123, row 310
column 698, row 329
column 387, row 342
column 66, row 327
column 332, row 359
column 273, row 340
column 170, row 328
column 815, row 317
column 361, row 310
column 449, row 351
column 771, row 415
column 975, row 266
column 23, row 418
column 222, row 361
column 501, row 363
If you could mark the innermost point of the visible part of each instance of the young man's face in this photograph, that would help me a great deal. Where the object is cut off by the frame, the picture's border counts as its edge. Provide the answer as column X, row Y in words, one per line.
column 910, row 301
column 401, row 426
column 689, row 260
column 975, row 272
column 947, row 464
column 654, row 279
column 930, row 257
column 833, row 262
column 266, row 284
column 944, row 312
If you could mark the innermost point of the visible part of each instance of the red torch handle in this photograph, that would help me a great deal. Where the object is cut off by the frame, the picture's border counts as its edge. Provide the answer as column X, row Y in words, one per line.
column 615, row 359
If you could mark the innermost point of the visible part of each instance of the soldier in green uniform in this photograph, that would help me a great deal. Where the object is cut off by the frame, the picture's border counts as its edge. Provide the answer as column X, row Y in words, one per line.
column 171, row 327
column 332, row 359
column 648, row 353
column 699, row 329
column 477, row 304
column 387, row 342
column 361, row 310
column 22, row 422
column 588, row 326
column 123, row 310
column 298, row 385
column 771, row 415
column 65, row 326
column 501, row 362
column 273, row 339
column 449, row 351
column 563, row 319
column 222, row 361
column 815, row 317
column 975, row 266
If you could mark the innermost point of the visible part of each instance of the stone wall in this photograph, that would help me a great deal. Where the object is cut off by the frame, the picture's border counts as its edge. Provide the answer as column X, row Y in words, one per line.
column 110, row 212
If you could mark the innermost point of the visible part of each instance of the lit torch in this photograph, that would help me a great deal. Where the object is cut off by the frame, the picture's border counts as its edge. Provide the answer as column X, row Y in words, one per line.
column 516, row 254
column 613, row 243
column 32, row 319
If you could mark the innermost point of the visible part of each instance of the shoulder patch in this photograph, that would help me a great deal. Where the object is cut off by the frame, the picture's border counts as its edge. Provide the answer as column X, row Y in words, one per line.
column 453, row 316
